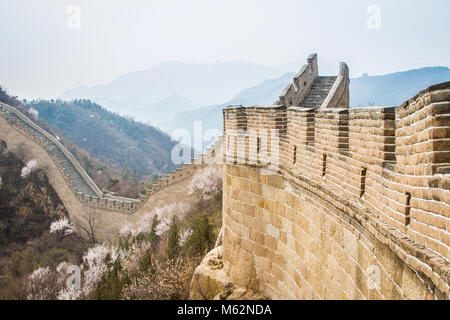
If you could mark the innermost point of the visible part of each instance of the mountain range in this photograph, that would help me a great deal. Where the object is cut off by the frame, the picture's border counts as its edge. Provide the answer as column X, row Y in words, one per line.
column 395, row 88
column 173, row 85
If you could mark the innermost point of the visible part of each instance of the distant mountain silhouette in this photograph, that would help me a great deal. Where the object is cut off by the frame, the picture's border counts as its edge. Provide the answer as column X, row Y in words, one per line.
column 394, row 88
column 205, row 84
column 265, row 93
column 155, row 113
column 211, row 116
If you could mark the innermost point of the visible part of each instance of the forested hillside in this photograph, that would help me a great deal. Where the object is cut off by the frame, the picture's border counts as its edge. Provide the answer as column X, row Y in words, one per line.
column 28, row 205
column 120, row 180
column 115, row 140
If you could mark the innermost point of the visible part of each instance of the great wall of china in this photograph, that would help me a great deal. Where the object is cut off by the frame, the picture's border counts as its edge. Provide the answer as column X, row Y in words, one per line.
column 340, row 203
column 319, row 201
column 73, row 185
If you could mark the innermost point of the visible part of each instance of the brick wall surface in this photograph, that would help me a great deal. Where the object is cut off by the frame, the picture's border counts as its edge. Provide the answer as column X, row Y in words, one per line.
column 358, row 206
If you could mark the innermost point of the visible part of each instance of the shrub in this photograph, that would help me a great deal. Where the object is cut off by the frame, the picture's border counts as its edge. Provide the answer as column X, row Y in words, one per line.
column 207, row 181
column 173, row 246
column 28, row 169
column 62, row 226
column 164, row 216
column 202, row 238
column 153, row 237
column 41, row 285
column 170, row 280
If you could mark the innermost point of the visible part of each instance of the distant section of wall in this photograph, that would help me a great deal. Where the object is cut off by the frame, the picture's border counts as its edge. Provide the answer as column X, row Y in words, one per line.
column 358, row 206
column 212, row 156
column 79, row 194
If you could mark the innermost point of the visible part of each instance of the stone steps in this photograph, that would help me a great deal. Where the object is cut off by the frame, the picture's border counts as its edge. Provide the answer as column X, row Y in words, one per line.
column 70, row 171
column 318, row 92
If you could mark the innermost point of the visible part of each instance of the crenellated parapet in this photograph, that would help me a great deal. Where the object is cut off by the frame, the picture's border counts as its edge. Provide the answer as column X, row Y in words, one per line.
column 212, row 156
column 383, row 172
column 339, row 95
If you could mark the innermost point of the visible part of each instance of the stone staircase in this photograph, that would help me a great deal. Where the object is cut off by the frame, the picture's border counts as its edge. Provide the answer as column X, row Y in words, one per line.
column 311, row 91
column 77, row 181
column 318, row 92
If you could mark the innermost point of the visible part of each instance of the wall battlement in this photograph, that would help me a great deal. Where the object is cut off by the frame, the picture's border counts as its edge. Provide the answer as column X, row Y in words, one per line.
column 372, row 184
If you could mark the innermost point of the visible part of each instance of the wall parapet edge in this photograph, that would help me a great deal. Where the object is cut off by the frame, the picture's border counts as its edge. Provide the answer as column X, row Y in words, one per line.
column 294, row 92
column 384, row 168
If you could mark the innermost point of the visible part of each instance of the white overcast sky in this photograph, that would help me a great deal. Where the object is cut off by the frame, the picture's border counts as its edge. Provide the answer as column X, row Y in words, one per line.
column 41, row 57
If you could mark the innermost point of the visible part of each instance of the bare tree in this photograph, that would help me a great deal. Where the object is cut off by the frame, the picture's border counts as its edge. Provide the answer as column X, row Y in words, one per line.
column 21, row 151
column 44, row 169
column 90, row 227
column 170, row 280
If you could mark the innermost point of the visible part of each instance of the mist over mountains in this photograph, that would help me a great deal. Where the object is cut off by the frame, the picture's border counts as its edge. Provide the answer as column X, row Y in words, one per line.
column 187, row 84
column 211, row 116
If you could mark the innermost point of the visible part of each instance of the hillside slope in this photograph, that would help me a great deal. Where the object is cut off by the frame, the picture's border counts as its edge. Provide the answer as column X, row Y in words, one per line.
column 113, row 139
column 28, row 206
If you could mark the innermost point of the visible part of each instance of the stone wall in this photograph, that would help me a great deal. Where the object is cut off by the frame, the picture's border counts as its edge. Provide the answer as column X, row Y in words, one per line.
column 110, row 212
column 355, row 205
column 339, row 96
column 294, row 92
column 212, row 156
column 302, row 84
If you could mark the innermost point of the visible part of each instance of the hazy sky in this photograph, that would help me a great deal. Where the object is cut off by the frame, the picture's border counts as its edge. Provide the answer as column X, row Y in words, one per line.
column 41, row 57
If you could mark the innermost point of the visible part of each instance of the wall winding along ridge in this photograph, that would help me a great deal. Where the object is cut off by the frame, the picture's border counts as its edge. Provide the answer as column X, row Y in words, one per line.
column 357, row 205
column 73, row 185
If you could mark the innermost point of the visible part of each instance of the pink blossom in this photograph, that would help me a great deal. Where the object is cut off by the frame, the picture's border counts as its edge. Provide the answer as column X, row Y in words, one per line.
column 33, row 113
column 95, row 266
column 132, row 257
column 28, row 169
column 164, row 214
column 207, row 181
column 184, row 236
column 62, row 225
column 70, row 293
